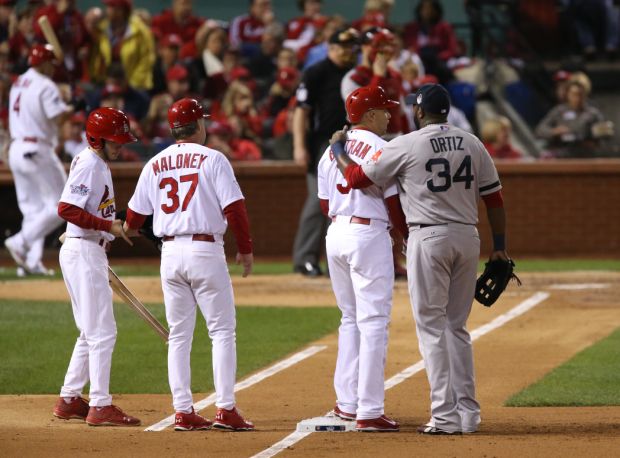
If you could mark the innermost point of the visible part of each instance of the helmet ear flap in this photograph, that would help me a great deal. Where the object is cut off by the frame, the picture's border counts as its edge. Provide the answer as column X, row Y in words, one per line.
column 95, row 142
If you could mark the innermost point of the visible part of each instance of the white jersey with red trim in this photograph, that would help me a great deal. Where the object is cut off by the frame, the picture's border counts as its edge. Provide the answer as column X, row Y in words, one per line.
column 364, row 203
column 185, row 187
column 34, row 102
column 89, row 187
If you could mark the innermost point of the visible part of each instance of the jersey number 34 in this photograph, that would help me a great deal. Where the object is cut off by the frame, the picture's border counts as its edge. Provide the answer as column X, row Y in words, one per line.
column 445, row 178
column 173, row 192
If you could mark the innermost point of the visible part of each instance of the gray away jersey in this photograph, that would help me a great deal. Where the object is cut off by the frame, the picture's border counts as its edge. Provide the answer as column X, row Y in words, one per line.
column 442, row 171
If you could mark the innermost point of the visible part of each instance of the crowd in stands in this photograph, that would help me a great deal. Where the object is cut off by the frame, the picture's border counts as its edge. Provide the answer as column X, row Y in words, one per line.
column 247, row 71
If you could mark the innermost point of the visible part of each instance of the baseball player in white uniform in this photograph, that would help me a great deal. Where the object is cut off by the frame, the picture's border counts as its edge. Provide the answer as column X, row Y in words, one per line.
column 87, row 204
column 442, row 172
column 36, row 109
column 192, row 193
column 359, row 255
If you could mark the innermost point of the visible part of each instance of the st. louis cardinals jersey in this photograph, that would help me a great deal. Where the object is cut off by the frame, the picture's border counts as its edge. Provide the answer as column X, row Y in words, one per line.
column 364, row 203
column 34, row 102
column 444, row 167
column 89, row 187
column 185, row 188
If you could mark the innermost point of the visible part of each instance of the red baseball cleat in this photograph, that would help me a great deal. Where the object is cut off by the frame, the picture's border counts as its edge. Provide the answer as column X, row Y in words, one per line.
column 343, row 415
column 191, row 422
column 232, row 420
column 77, row 408
column 381, row 424
column 110, row 416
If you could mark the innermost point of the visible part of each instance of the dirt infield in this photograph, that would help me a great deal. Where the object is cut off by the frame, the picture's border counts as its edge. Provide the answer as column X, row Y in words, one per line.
column 507, row 360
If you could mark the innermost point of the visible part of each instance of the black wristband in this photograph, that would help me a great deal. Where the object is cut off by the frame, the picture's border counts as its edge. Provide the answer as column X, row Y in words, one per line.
column 337, row 149
column 499, row 242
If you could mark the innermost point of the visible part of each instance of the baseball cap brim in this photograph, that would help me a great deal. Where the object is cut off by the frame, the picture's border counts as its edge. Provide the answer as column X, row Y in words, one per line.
column 411, row 99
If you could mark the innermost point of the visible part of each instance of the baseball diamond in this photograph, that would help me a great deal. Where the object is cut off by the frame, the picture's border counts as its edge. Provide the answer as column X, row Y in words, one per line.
column 208, row 207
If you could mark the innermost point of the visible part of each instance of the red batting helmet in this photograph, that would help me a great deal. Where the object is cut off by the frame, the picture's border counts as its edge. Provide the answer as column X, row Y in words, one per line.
column 39, row 54
column 364, row 99
column 108, row 124
column 184, row 112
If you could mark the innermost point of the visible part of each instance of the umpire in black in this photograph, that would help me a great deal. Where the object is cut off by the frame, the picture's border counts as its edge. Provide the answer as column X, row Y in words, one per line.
column 319, row 112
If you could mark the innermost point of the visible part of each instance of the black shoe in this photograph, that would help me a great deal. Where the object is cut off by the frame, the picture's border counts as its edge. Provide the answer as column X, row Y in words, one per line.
column 309, row 269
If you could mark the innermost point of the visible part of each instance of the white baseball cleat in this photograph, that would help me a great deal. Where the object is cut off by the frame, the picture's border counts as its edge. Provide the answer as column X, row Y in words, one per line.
column 16, row 251
column 40, row 269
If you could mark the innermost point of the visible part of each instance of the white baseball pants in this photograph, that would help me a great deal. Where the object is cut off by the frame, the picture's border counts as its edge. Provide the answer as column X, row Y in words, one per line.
column 441, row 264
column 84, row 267
column 195, row 272
column 362, row 273
column 39, row 180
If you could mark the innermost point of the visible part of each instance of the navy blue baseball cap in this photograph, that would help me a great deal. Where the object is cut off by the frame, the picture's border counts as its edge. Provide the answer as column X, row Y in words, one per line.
column 433, row 98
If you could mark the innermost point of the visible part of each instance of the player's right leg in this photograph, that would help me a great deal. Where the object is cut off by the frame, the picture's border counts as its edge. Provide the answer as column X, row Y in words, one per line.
column 181, row 316
column 430, row 256
column 339, row 251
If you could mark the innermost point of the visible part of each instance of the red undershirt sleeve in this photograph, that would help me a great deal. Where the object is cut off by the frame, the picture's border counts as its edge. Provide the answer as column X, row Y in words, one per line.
column 494, row 200
column 82, row 218
column 237, row 217
column 356, row 178
column 324, row 206
column 397, row 216
column 135, row 220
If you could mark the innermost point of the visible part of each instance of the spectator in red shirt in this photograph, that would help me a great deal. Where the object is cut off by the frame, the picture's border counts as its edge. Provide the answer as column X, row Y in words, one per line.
column 222, row 138
column 432, row 38
column 167, row 57
column 178, row 20
column 238, row 109
column 378, row 47
column 246, row 31
column 281, row 91
column 22, row 40
column 376, row 14
column 496, row 138
column 301, row 31
column 68, row 24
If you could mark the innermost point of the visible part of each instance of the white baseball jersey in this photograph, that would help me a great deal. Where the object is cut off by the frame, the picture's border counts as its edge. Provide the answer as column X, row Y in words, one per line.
column 365, row 203
column 89, row 187
column 442, row 171
column 34, row 102
column 185, row 187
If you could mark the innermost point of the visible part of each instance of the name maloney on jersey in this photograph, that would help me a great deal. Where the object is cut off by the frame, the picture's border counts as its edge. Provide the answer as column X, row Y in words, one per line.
column 178, row 161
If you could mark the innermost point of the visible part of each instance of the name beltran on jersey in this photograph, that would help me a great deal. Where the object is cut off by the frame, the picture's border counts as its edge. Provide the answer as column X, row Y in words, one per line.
column 178, row 161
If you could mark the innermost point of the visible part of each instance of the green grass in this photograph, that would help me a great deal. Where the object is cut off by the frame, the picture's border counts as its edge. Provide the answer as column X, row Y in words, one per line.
column 36, row 340
column 279, row 268
column 590, row 378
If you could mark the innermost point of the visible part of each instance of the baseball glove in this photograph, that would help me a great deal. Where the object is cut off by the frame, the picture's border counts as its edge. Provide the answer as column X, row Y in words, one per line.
column 493, row 281
column 146, row 230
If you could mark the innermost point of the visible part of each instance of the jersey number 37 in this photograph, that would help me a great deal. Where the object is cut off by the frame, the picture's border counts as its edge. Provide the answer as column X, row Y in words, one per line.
column 173, row 192
column 444, row 176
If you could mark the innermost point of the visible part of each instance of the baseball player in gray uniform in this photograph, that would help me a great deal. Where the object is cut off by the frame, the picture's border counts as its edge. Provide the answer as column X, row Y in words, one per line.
column 442, row 172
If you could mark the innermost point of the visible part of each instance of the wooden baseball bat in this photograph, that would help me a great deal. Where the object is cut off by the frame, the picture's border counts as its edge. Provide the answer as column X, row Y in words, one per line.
column 50, row 36
column 134, row 303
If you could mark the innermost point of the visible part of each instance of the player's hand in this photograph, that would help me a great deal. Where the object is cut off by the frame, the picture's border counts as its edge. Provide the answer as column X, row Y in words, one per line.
column 117, row 231
column 129, row 231
column 247, row 260
column 339, row 136
column 379, row 66
column 502, row 254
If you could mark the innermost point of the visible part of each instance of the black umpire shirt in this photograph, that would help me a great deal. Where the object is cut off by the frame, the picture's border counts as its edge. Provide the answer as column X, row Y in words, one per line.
column 320, row 91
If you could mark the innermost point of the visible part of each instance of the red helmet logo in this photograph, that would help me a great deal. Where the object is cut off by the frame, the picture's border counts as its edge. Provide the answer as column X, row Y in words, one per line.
column 40, row 54
column 185, row 111
column 367, row 98
column 108, row 124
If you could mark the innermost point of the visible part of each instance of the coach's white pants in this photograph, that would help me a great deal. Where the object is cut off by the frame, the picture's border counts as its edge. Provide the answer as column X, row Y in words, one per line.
column 195, row 272
column 362, row 273
column 441, row 266
column 39, row 181
column 84, row 267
